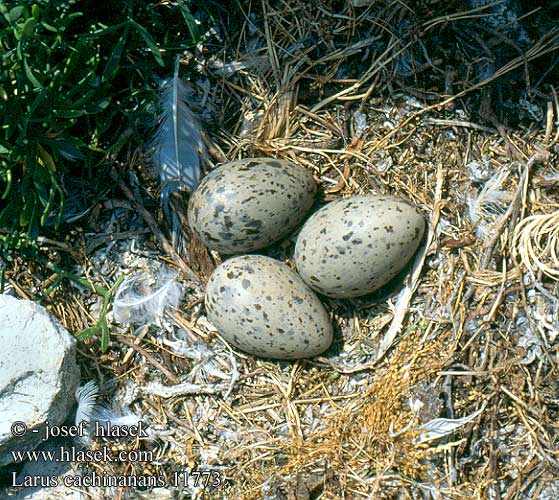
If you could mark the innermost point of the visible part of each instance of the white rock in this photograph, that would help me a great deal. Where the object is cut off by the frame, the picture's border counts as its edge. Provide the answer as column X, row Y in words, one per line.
column 38, row 373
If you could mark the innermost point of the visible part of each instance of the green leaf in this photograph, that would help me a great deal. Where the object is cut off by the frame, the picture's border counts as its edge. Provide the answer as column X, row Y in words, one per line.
column 50, row 202
column 73, row 60
column 40, row 178
column 149, row 42
column 33, row 228
column 72, row 16
column 104, row 31
column 68, row 113
column 49, row 27
column 8, row 185
column 8, row 216
column 98, row 106
column 28, row 210
column 14, row 14
column 87, row 332
column 190, row 21
column 104, row 337
column 28, row 28
column 114, row 59
column 85, row 97
column 29, row 116
column 61, row 207
column 36, row 83
column 66, row 149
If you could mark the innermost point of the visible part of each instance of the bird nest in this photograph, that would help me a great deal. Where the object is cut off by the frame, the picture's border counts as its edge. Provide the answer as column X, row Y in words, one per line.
column 442, row 384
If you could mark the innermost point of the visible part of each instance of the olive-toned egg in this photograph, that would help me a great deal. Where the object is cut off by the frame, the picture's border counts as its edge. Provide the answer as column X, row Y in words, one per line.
column 249, row 204
column 261, row 306
column 355, row 245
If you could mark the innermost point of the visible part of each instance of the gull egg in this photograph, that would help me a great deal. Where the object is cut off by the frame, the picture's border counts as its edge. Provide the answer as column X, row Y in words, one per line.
column 249, row 204
column 261, row 306
column 355, row 245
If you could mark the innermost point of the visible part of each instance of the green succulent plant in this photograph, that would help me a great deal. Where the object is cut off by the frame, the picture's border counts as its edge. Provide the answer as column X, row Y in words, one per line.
column 73, row 77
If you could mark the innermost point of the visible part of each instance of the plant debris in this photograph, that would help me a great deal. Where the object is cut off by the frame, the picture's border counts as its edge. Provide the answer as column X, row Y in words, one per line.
column 441, row 385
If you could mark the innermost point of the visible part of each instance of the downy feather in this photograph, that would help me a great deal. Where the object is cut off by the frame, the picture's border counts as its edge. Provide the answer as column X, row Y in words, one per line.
column 90, row 411
column 142, row 299
column 177, row 144
column 485, row 207
column 86, row 396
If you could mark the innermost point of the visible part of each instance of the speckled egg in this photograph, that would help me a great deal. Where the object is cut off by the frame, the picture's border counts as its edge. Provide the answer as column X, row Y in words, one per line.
column 355, row 245
column 249, row 204
column 263, row 307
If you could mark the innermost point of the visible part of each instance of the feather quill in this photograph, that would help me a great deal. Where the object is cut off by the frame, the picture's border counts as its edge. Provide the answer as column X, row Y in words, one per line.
column 177, row 144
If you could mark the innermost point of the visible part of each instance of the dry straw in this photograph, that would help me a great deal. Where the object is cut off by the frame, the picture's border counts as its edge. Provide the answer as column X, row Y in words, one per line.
column 536, row 244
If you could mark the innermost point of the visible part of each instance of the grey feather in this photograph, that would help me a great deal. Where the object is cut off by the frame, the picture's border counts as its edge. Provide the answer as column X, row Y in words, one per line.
column 177, row 143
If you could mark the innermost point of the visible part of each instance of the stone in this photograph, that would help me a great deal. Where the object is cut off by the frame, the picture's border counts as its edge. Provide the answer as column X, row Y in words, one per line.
column 39, row 471
column 38, row 374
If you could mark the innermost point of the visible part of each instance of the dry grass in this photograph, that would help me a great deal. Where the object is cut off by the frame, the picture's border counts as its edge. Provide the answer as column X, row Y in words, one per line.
column 474, row 333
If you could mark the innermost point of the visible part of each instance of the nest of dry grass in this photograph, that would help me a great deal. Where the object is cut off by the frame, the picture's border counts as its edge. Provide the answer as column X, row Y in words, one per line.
column 443, row 385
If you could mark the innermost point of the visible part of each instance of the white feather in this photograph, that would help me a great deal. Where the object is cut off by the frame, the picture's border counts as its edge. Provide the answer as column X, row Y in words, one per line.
column 90, row 411
column 116, row 418
column 440, row 427
column 142, row 299
column 177, row 143
column 87, row 399
column 489, row 204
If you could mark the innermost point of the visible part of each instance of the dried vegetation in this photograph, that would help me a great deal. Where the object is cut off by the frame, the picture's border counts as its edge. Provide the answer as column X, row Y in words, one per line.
column 442, row 385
